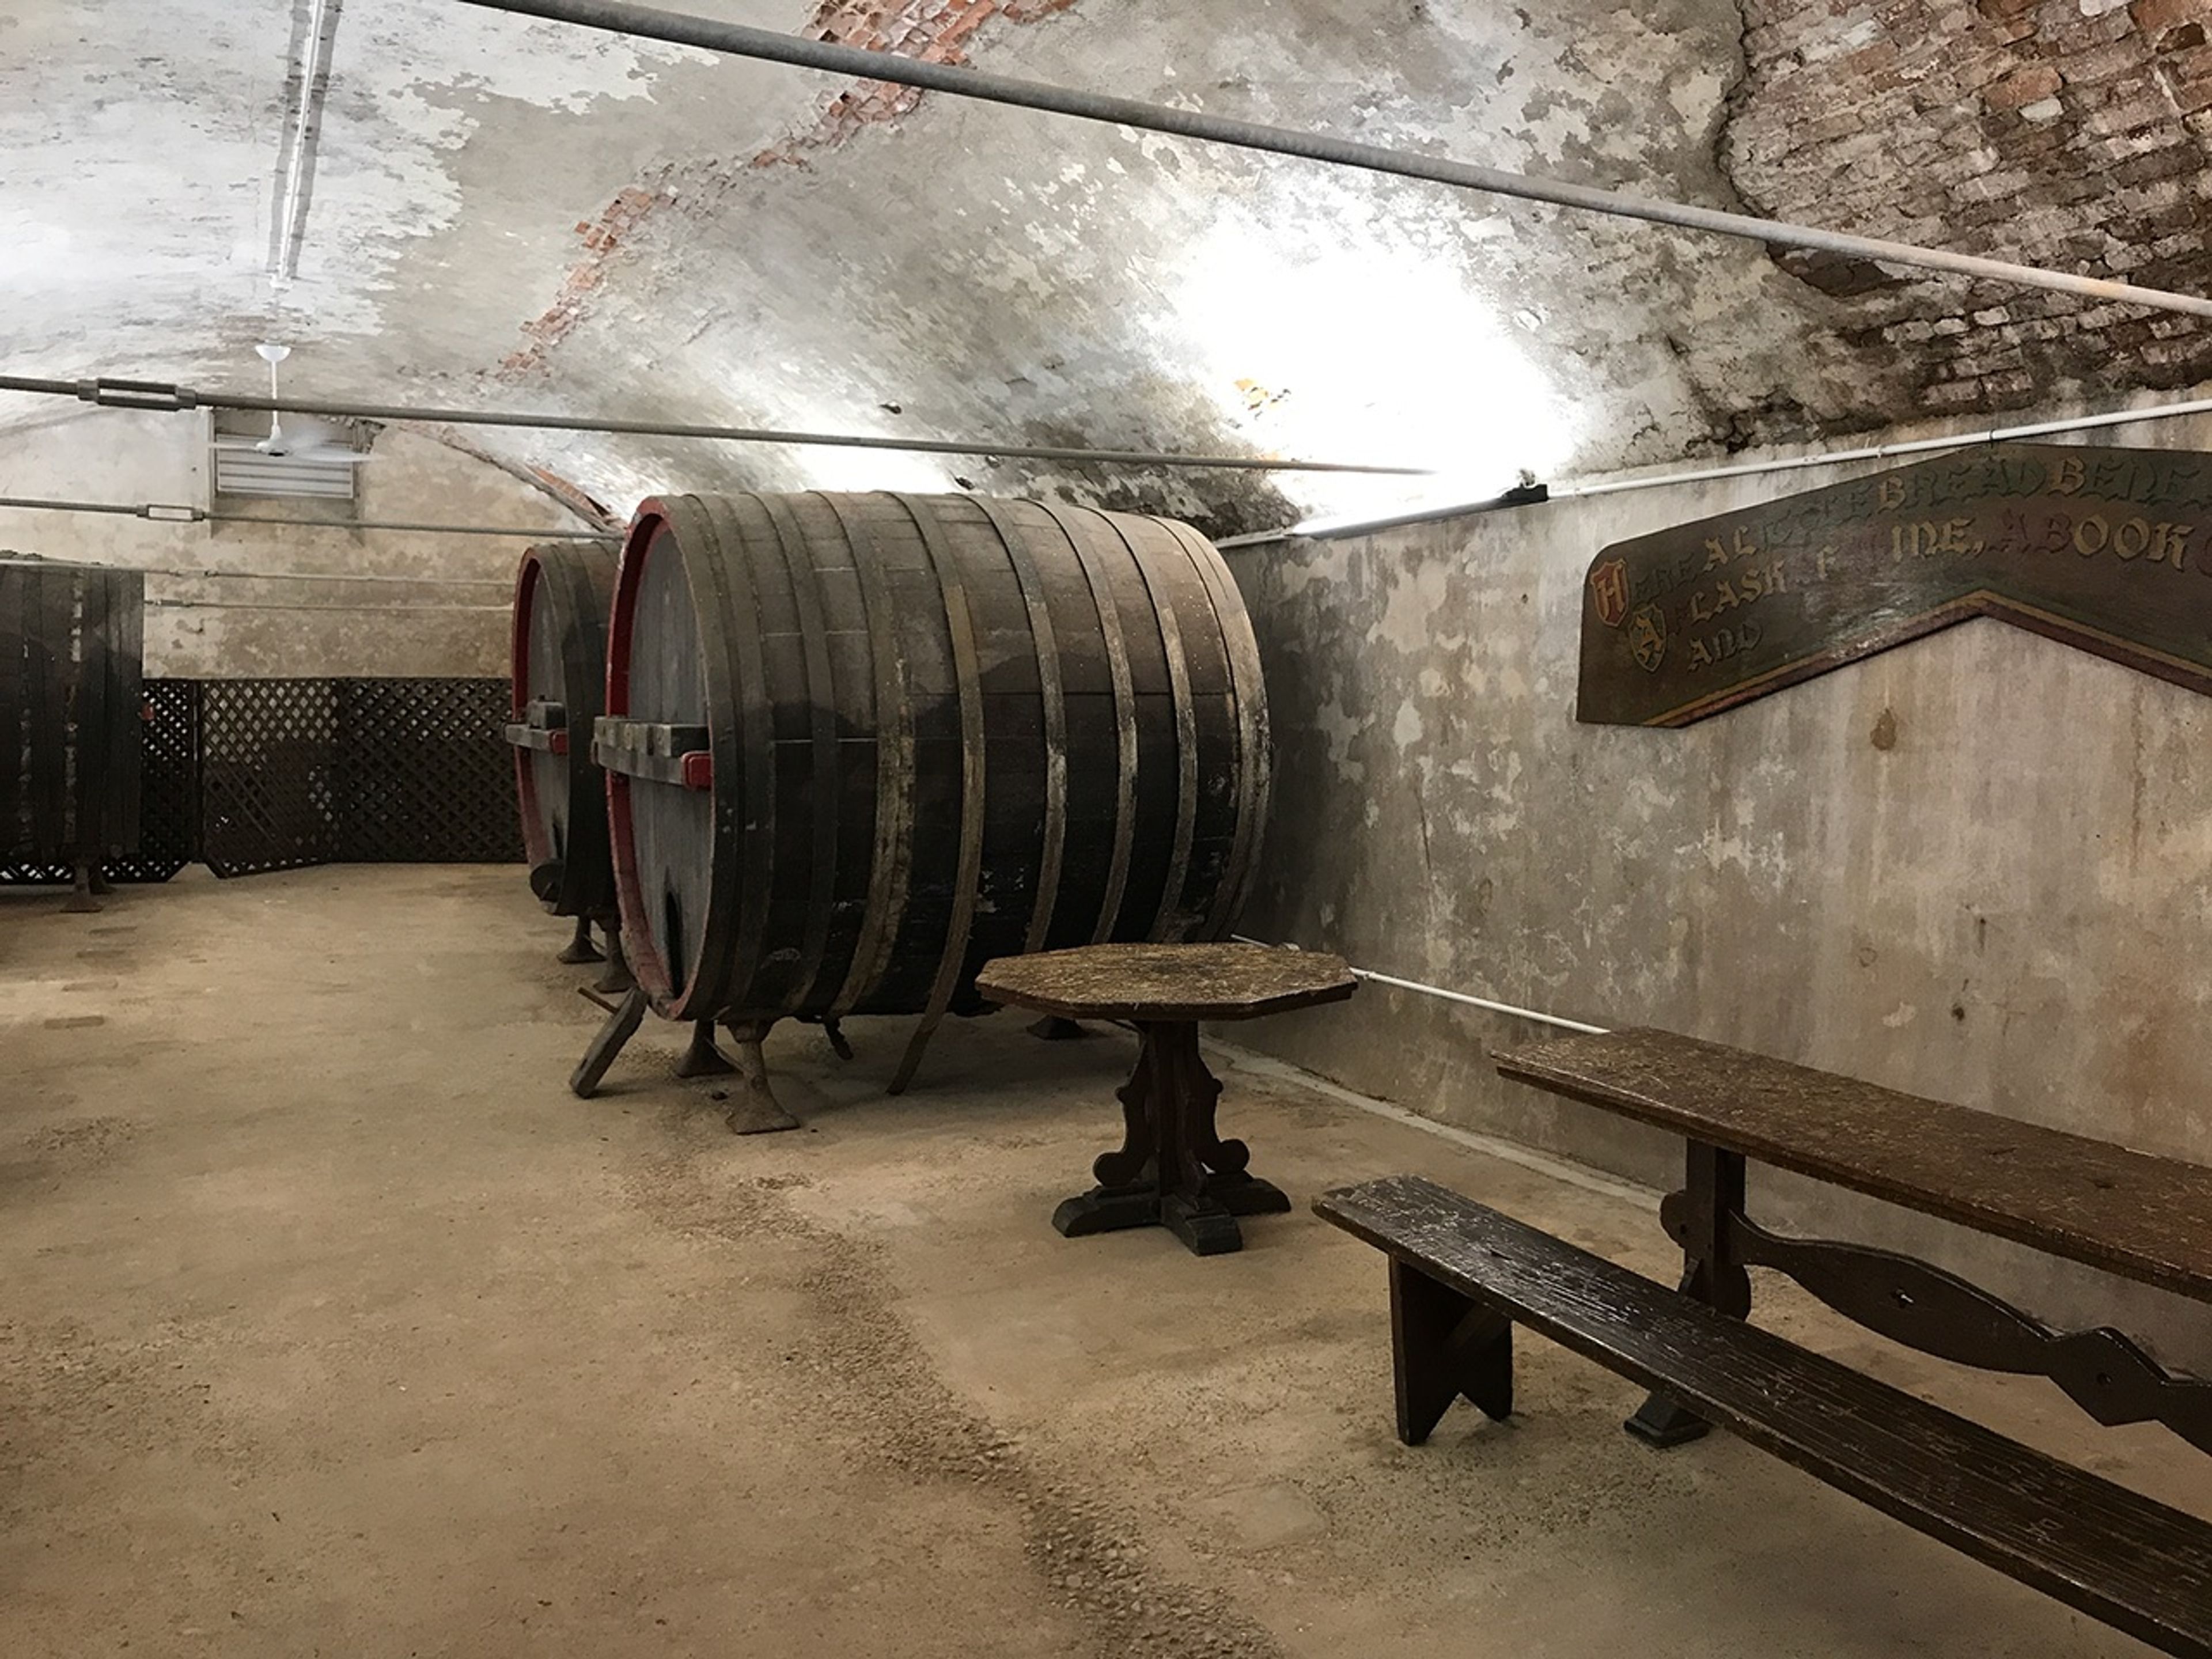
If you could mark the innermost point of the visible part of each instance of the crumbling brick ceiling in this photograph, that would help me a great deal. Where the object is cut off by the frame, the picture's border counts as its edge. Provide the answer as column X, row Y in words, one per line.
column 936, row 31
column 2075, row 134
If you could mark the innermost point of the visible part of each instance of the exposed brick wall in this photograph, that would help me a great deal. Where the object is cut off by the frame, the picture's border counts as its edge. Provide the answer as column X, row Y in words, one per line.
column 2075, row 134
column 933, row 31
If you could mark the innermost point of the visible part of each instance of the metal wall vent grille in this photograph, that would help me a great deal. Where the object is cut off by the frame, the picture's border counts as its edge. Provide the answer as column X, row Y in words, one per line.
column 250, row 472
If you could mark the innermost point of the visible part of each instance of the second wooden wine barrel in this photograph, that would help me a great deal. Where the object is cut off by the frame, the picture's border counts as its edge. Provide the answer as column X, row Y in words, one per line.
column 71, row 708
column 562, row 593
column 859, row 744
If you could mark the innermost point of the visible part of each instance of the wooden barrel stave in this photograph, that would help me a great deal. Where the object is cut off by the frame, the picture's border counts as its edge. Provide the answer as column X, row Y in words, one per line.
column 822, row 565
column 1008, row 687
column 931, row 674
column 954, row 729
column 789, row 650
column 1102, row 717
column 1256, row 776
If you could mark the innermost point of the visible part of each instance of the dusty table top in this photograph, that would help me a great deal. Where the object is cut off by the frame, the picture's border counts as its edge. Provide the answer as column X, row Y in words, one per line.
column 1166, row 983
column 2129, row 1212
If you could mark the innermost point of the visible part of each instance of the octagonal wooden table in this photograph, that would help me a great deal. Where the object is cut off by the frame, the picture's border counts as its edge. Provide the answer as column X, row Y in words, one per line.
column 1172, row 1169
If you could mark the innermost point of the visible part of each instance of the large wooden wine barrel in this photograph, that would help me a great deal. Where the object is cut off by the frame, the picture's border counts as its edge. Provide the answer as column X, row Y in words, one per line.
column 859, row 744
column 562, row 593
column 72, row 640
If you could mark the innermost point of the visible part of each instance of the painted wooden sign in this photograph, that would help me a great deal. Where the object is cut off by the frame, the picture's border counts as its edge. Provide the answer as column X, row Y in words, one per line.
column 2109, row 550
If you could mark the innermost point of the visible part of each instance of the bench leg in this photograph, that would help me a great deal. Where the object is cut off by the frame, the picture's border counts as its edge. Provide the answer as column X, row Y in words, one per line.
column 1444, row 1344
column 1701, row 1218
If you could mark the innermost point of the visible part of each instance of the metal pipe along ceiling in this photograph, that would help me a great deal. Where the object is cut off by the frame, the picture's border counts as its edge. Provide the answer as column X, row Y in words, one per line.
column 314, row 36
column 738, row 41
column 161, row 396
column 163, row 513
column 1330, row 529
column 210, row 572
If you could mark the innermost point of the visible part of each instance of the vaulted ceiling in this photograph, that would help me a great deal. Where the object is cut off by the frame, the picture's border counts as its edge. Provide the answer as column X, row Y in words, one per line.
column 500, row 211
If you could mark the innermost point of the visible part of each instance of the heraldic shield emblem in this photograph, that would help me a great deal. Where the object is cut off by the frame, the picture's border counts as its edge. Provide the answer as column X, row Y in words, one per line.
column 1647, row 638
column 1609, row 590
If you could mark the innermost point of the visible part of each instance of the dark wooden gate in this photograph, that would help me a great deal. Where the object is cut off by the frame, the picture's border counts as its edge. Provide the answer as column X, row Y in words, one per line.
column 168, row 794
column 70, row 711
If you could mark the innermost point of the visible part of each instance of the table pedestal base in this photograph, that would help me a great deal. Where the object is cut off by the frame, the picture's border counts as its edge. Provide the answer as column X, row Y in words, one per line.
column 1173, row 1170
column 1207, row 1225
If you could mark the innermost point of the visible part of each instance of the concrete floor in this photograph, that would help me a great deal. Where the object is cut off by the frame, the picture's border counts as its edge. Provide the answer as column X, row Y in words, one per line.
column 330, row 1323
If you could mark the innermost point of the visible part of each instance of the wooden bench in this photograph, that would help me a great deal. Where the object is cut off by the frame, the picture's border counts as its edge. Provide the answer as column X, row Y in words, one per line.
column 2126, row 1213
column 1462, row 1275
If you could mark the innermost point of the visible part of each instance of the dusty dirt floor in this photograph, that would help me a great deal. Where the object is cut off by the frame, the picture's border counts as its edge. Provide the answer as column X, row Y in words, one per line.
column 330, row 1323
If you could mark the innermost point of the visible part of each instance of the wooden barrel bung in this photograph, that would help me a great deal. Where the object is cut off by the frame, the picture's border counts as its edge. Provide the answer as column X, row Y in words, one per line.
column 857, row 745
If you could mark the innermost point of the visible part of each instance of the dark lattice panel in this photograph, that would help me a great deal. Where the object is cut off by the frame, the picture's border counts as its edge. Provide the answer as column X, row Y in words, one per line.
column 425, row 775
column 35, row 875
column 169, row 801
column 267, row 759
column 254, row 775
column 169, row 809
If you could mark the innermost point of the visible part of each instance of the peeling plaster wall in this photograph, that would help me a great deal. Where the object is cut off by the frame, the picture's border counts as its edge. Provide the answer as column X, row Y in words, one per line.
column 2009, row 908
column 513, row 211
column 447, row 616
column 143, row 136
column 967, row 269
column 510, row 210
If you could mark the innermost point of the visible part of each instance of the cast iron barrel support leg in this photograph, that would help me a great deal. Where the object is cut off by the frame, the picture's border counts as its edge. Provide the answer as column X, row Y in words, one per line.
column 616, row 978
column 579, row 946
column 754, row 1108
column 702, row 1058
column 1700, row 1218
column 80, row 900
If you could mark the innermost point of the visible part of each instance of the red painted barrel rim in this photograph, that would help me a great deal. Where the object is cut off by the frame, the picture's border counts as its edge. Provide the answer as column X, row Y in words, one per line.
column 645, row 965
column 529, row 580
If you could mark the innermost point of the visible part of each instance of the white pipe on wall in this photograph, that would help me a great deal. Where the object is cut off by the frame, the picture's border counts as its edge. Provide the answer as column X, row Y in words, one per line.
column 1461, row 997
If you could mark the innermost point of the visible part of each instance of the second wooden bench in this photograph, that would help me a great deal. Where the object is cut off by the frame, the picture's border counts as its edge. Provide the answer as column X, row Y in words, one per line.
column 1462, row 1275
